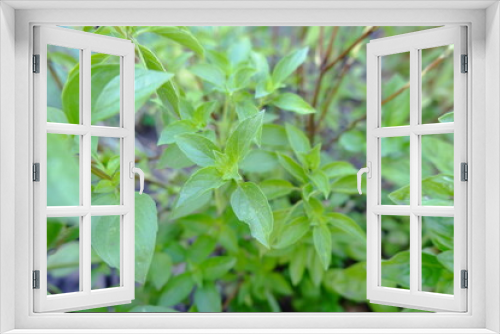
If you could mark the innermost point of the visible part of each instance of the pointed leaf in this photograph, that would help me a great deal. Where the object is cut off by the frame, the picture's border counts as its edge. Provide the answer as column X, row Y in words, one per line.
column 201, row 182
column 207, row 298
column 288, row 64
column 292, row 232
column 241, row 138
column 210, row 73
column 177, row 289
column 251, row 207
column 161, row 268
column 293, row 102
column 197, row 148
column 292, row 167
column 323, row 244
column 174, row 129
column 180, row 35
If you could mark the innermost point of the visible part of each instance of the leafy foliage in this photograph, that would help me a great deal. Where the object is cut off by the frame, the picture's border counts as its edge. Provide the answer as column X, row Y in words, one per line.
column 250, row 164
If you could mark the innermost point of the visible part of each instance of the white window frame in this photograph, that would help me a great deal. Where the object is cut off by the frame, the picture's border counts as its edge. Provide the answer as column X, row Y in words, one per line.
column 484, row 103
column 85, row 43
column 414, row 43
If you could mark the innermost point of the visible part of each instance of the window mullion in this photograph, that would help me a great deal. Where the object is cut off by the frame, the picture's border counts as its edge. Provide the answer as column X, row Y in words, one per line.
column 85, row 239
column 414, row 172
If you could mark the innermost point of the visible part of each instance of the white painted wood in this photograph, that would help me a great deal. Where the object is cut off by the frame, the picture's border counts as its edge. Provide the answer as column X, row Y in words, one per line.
column 471, row 322
column 413, row 43
column 86, row 298
column 7, row 167
column 492, row 157
column 247, row 4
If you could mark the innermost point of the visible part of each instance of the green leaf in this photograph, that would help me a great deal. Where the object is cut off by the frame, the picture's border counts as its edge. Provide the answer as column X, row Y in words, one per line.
column 297, row 265
column 446, row 259
column 315, row 268
column 167, row 92
column 246, row 109
column 201, row 115
column 287, row 65
column 173, row 157
column 447, row 118
column 63, row 167
column 321, row 181
column 64, row 260
column 241, row 138
column 293, row 102
column 216, row 267
column 176, row 290
column 440, row 230
column 174, row 129
column 259, row 161
column 346, row 185
column 339, row 169
column 350, row 282
column 161, row 269
column 197, row 148
column 292, row 232
column 201, row 248
column 56, row 115
column 240, row 79
column 146, row 227
column 198, row 184
column 210, row 73
column 292, row 167
column 274, row 136
column 251, row 207
column 106, row 231
column 345, row 224
column 207, row 298
column 297, row 139
column 181, row 35
column 311, row 159
column 106, row 89
column 436, row 190
column 323, row 244
column 104, row 186
column 276, row 188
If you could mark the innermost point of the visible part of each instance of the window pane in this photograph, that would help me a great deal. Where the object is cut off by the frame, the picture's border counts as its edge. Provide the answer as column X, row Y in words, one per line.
column 437, row 85
column 105, row 171
column 395, row 83
column 437, row 254
column 106, row 251
column 395, row 251
column 395, row 170
column 106, row 90
column 63, row 170
column 437, row 170
column 63, row 85
column 63, row 255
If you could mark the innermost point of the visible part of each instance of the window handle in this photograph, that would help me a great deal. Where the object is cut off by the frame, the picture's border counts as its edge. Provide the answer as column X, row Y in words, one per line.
column 368, row 171
column 134, row 170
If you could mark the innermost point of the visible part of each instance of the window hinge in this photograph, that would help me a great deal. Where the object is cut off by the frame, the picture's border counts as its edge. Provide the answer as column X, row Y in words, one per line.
column 464, row 171
column 36, row 63
column 465, row 64
column 36, row 172
column 465, row 279
column 36, row 279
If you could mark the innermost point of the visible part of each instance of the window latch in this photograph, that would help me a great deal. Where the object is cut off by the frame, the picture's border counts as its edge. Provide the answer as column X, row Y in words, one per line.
column 368, row 171
column 135, row 170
